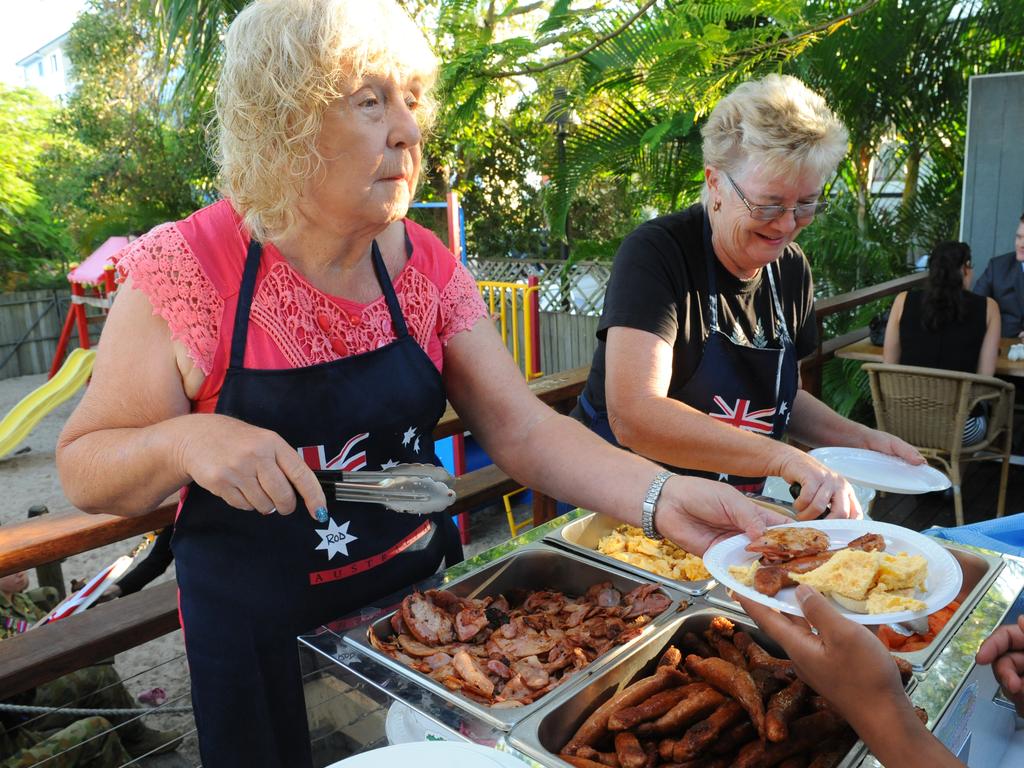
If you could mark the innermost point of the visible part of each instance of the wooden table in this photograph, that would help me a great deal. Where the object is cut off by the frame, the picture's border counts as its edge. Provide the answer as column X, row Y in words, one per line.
column 869, row 353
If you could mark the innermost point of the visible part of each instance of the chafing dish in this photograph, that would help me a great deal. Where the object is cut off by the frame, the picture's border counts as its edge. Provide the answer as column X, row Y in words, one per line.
column 536, row 566
column 542, row 734
column 581, row 536
column 980, row 569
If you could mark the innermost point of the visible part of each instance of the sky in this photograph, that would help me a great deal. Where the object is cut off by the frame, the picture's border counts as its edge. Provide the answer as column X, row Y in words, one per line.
column 26, row 25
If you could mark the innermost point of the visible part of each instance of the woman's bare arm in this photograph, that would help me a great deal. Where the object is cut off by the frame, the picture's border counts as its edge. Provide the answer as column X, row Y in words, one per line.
column 892, row 350
column 558, row 456
column 990, row 346
column 131, row 442
column 645, row 419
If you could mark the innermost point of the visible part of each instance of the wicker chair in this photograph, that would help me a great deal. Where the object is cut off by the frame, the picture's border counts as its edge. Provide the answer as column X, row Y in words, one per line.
column 927, row 407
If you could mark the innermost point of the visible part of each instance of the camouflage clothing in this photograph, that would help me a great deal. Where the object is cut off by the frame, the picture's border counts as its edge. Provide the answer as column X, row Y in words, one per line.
column 95, row 687
column 23, row 609
column 86, row 743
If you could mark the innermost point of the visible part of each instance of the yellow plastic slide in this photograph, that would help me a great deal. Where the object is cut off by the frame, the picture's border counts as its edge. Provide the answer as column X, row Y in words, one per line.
column 26, row 414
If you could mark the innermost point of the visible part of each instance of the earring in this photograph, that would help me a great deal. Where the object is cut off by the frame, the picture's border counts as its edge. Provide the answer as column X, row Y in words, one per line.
column 717, row 206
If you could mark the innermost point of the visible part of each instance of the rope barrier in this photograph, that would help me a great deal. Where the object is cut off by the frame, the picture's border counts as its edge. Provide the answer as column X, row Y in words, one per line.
column 33, row 710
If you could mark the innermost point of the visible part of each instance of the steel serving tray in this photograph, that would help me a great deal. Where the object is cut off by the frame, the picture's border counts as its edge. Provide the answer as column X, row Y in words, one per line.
column 535, row 566
column 582, row 534
column 979, row 569
column 542, row 734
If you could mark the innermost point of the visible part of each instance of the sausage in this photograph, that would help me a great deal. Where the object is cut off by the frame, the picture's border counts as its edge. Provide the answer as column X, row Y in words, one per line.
column 604, row 758
column 805, row 734
column 671, row 657
column 759, row 658
column 698, row 737
column 700, row 702
column 693, row 643
column 656, row 706
column 629, row 751
column 734, row 738
column 832, row 752
column 767, row 683
column 580, row 762
column 733, row 681
column 730, row 652
column 769, row 579
column 906, row 670
column 595, row 727
column 782, row 708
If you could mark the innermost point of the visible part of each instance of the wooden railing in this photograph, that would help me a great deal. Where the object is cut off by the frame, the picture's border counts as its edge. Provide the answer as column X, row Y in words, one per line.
column 55, row 649
column 810, row 366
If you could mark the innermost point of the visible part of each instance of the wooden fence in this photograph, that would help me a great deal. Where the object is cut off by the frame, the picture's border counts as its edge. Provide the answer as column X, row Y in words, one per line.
column 566, row 340
column 30, row 323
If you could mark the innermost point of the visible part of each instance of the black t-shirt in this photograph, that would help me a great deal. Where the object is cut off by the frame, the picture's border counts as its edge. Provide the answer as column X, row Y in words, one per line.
column 954, row 347
column 659, row 284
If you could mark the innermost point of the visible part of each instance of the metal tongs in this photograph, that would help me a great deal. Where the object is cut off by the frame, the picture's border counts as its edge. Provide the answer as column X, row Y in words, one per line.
column 416, row 489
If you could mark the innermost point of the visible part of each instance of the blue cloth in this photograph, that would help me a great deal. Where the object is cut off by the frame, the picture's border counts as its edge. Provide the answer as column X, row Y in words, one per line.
column 1002, row 534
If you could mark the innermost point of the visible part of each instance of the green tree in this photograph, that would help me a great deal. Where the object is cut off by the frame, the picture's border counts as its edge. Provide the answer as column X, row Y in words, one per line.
column 31, row 241
column 131, row 157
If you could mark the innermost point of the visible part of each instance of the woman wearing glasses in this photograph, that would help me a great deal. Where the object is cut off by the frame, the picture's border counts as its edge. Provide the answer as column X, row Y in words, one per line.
column 709, row 310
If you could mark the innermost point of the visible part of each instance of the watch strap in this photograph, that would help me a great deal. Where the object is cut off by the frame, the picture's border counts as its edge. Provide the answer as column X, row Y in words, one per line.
column 650, row 503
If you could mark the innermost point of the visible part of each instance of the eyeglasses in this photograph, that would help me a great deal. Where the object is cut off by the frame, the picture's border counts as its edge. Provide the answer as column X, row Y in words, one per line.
column 772, row 212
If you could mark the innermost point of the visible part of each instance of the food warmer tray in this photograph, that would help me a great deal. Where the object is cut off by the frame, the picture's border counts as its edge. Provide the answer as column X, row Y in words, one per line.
column 582, row 534
column 543, row 733
column 980, row 569
column 535, row 566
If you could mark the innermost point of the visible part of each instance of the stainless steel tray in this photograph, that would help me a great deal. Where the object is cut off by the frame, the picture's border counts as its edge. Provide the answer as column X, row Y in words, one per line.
column 536, row 566
column 980, row 570
column 582, row 534
column 542, row 734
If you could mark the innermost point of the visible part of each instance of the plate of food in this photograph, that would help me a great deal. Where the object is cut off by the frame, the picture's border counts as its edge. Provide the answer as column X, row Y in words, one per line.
column 881, row 471
column 875, row 573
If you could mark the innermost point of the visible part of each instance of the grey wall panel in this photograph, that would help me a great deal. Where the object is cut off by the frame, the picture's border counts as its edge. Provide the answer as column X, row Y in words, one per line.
column 993, row 197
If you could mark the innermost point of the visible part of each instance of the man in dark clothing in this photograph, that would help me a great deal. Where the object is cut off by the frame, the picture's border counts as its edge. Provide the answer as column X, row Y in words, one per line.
column 1003, row 280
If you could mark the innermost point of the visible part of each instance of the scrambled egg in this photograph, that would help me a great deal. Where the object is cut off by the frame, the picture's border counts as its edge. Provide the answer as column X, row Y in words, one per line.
column 744, row 574
column 883, row 582
column 663, row 558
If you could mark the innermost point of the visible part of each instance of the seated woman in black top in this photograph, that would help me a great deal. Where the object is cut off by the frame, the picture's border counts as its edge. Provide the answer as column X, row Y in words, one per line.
column 946, row 326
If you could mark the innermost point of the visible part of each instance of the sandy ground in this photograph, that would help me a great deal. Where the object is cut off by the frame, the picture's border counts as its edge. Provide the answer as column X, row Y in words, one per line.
column 30, row 478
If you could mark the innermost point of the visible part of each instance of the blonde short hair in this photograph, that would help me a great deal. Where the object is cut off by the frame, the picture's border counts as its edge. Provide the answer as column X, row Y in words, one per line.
column 285, row 61
column 778, row 123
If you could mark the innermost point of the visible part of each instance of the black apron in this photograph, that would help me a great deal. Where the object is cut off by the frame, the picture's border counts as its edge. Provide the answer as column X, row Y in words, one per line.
column 249, row 584
column 748, row 387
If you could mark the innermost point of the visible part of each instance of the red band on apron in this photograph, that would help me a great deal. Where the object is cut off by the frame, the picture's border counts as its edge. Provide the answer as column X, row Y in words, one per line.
column 334, row 574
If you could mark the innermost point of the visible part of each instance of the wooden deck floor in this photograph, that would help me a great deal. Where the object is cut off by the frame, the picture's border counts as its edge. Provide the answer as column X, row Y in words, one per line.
column 979, row 488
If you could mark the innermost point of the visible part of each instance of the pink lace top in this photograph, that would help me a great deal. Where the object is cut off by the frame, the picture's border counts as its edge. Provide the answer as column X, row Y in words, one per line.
column 191, row 271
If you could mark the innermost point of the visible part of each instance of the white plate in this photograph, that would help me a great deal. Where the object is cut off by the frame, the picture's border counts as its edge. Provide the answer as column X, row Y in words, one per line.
column 432, row 754
column 943, row 582
column 881, row 471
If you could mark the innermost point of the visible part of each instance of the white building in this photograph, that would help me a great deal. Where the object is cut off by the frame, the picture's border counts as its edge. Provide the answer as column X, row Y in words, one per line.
column 48, row 69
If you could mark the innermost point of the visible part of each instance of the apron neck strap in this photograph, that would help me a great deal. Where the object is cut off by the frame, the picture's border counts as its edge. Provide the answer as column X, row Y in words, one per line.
column 240, row 333
column 245, row 292
column 710, row 259
column 397, row 319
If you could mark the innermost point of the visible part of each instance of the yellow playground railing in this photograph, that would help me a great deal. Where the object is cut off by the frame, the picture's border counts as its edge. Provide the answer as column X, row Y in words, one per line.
column 513, row 306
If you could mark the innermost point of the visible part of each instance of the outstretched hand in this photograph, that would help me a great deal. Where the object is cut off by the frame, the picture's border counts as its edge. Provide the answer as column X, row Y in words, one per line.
column 842, row 661
column 1004, row 650
column 883, row 442
column 249, row 467
column 697, row 513
column 820, row 489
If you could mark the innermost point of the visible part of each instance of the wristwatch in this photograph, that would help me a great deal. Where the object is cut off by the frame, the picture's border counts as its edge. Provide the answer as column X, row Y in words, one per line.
column 650, row 502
